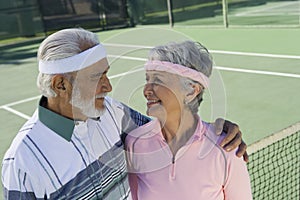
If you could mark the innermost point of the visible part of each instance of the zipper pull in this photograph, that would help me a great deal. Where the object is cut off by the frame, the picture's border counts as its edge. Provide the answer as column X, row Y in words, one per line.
column 172, row 172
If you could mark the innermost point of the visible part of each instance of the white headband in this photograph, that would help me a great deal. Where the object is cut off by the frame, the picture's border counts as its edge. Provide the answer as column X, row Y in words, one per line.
column 73, row 63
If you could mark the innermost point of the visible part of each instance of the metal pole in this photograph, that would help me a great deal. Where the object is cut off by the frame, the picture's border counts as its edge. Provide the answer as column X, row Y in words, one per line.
column 225, row 13
column 170, row 13
column 298, row 14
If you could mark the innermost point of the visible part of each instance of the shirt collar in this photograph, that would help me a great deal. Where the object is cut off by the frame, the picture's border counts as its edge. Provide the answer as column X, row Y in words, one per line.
column 201, row 129
column 61, row 125
column 198, row 134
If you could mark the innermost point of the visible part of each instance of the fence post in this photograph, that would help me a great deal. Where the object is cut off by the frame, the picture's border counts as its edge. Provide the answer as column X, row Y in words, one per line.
column 170, row 13
column 225, row 13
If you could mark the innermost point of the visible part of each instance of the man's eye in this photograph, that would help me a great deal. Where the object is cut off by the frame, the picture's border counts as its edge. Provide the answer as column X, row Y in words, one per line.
column 96, row 77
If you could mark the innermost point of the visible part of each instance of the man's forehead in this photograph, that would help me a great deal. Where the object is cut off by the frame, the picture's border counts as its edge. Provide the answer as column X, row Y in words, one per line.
column 99, row 67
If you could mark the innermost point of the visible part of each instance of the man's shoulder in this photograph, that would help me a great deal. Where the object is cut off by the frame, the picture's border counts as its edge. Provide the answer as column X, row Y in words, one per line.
column 18, row 144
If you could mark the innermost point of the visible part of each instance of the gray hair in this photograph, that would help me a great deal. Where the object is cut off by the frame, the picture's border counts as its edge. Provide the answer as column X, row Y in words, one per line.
column 62, row 44
column 189, row 54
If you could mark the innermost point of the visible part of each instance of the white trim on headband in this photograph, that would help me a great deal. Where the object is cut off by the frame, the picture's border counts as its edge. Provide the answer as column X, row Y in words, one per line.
column 73, row 63
column 180, row 70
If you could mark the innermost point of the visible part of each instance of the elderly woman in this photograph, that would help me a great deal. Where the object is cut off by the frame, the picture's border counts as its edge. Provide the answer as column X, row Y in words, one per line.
column 176, row 156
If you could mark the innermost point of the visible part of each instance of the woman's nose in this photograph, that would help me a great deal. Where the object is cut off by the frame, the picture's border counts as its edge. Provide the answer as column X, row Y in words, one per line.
column 148, row 89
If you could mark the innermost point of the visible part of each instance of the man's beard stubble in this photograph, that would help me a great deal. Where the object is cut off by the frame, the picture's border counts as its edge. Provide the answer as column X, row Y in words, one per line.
column 87, row 107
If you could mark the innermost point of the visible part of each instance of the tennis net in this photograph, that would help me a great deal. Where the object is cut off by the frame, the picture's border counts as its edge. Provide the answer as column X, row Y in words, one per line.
column 274, row 165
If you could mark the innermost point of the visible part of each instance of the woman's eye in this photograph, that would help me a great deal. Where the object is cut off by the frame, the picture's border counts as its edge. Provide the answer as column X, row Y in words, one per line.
column 157, row 80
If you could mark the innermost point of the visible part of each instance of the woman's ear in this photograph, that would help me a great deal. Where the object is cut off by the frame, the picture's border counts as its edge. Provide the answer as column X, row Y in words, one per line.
column 195, row 89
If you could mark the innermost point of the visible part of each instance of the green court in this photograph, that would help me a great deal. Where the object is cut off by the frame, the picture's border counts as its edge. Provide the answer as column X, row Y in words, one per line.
column 255, row 82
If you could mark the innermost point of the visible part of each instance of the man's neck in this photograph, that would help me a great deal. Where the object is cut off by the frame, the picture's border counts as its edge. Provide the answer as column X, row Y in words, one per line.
column 64, row 108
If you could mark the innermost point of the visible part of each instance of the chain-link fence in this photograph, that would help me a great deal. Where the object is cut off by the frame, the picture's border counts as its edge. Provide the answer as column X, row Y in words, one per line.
column 31, row 17
column 265, row 13
column 19, row 18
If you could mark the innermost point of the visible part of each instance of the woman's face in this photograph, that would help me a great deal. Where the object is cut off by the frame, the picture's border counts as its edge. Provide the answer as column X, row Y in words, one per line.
column 164, row 94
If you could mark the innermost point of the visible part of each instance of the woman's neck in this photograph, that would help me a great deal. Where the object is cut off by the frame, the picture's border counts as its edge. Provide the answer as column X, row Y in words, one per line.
column 177, row 130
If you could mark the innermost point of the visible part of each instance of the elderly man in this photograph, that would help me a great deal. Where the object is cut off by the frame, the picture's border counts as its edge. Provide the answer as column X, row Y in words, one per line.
column 71, row 148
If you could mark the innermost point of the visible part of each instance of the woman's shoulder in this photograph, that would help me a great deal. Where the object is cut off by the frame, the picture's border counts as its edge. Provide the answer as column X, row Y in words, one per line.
column 212, row 143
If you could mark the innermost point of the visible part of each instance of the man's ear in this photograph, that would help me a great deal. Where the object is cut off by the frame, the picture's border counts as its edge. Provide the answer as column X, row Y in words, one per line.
column 195, row 89
column 59, row 84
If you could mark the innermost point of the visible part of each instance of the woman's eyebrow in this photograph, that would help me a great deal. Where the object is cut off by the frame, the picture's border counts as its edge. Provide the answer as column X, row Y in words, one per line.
column 158, row 75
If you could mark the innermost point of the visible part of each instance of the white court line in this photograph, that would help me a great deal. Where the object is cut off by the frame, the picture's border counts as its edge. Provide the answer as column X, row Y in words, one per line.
column 126, row 73
column 128, row 45
column 265, row 9
column 295, row 13
column 215, row 51
column 127, row 57
column 21, row 101
column 15, row 112
column 255, row 54
column 258, row 72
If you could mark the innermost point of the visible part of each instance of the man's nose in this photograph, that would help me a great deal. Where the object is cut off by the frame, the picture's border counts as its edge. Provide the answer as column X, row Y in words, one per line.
column 105, row 85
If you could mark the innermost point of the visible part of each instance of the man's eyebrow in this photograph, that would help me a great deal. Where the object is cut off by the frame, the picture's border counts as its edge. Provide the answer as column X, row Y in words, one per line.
column 99, row 73
column 96, row 74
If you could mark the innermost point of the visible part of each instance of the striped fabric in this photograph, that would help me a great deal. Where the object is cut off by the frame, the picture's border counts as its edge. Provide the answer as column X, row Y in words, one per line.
column 41, row 164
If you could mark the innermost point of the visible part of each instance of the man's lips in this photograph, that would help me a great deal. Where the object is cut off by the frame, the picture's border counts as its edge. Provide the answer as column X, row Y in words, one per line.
column 100, row 96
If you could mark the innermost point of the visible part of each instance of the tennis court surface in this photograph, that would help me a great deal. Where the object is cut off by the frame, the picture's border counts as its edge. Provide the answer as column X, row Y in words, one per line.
column 255, row 83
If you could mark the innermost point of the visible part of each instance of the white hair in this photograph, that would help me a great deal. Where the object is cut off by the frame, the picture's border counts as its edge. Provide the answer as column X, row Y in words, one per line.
column 189, row 54
column 62, row 44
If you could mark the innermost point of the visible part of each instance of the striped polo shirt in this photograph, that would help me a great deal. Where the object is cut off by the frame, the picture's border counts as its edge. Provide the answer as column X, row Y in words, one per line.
column 53, row 157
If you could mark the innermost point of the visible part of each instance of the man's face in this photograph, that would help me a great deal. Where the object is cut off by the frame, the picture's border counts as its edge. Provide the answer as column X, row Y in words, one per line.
column 90, row 86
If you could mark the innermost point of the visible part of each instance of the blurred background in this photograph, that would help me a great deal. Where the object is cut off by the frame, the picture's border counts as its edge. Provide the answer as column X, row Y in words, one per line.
column 35, row 17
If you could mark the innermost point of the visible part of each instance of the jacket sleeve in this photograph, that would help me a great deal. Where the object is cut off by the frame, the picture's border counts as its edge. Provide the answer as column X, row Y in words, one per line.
column 132, row 178
column 15, row 182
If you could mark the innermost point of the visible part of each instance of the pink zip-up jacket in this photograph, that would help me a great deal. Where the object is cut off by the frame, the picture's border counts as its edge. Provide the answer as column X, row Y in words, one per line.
column 200, row 170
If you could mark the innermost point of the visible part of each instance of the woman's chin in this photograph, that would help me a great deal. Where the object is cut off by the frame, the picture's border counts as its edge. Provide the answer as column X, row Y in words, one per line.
column 157, row 113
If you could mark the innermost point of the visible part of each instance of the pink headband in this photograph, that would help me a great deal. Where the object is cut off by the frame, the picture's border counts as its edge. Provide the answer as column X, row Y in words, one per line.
column 177, row 69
